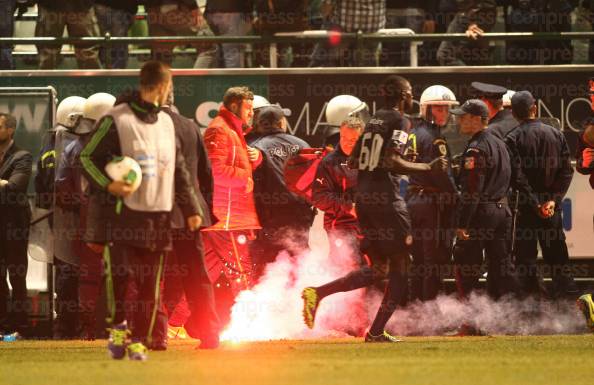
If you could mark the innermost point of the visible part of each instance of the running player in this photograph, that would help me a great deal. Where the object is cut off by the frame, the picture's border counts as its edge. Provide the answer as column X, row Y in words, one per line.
column 385, row 223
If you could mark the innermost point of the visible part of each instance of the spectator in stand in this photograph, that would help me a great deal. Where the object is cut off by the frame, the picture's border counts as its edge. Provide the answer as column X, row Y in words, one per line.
column 350, row 16
column 280, row 16
column 77, row 17
column 539, row 16
column 178, row 18
column 233, row 18
column 7, row 8
column 415, row 15
column 115, row 17
column 474, row 18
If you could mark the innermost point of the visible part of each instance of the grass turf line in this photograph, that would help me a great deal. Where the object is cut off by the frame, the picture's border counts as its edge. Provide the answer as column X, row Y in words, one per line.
column 433, row 360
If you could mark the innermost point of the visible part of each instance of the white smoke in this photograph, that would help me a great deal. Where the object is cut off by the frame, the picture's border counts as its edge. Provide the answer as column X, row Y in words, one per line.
column 507, row 316
column 272, row 309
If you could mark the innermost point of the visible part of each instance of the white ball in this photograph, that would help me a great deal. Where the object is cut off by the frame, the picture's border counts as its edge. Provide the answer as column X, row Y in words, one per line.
column 125, row 169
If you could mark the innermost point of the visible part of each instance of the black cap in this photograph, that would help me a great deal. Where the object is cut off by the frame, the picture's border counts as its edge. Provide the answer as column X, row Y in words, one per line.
column 269, row 116
column 490, row 91
column 474, row 107
column 521, row 103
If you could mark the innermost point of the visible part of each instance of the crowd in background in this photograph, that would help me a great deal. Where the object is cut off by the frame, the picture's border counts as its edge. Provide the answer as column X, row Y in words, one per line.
column 84, row 18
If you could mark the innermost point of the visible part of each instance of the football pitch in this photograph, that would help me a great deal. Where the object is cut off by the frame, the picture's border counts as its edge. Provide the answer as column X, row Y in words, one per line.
column 499, row 360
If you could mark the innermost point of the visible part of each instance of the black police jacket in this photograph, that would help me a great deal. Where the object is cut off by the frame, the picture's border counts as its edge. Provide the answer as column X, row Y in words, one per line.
column 485, row 175
column 502, row 123
column 541, row 163
column 14, row 204
column 277, row 206
column 333, row 191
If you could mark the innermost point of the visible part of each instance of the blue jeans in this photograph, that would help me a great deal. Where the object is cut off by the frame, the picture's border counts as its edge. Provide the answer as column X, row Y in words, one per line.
column 116, row 22
column 231, row 24
column 7, row 8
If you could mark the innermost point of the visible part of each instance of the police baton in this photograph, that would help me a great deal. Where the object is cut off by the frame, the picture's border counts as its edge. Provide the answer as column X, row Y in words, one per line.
column 516, row 197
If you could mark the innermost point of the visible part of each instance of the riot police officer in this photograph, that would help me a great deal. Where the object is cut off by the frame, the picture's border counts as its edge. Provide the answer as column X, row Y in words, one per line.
column 431, row 197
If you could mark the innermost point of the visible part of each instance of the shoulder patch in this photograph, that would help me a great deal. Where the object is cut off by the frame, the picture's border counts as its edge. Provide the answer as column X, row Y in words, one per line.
column 441, row 146
column 399, row 137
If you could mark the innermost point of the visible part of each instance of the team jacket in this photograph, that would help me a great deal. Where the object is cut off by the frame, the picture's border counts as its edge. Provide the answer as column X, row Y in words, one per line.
column 485, row 175
column 584, row 160
column 333, row 191
column 141, row 131
column 276, row 205
column 233, row 199
column 541, row 163
column 192, row 146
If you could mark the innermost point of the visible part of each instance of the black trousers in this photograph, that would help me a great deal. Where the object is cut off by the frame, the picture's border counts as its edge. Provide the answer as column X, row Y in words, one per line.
column 143, row 268
column 13, row 263
column 270, row 242
column 431, row 229
column 185, row 273
column 549, row 235
column 489, row 233
column 67, row 304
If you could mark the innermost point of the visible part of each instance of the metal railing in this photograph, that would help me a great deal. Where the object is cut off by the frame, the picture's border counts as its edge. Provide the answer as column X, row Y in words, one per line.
column 396, row 35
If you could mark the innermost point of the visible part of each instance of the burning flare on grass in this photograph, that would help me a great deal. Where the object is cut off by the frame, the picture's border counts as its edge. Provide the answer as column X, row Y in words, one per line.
column 272, row 309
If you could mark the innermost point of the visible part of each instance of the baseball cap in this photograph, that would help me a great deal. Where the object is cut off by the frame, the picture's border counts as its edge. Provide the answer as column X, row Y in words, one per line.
column 269, row 116
column 474, row 107
column 521, row 103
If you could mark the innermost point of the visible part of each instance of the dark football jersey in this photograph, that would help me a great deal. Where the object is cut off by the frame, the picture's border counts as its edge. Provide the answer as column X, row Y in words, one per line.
column 386, row 132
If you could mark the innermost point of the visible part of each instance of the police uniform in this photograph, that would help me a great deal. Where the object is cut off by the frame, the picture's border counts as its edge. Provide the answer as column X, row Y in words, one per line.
column 430, row 199
column 484, row 212
column 542, row 173
column 503, row 122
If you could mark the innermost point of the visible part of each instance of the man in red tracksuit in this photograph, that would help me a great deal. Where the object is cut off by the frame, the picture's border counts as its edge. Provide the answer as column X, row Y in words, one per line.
column 226, row 243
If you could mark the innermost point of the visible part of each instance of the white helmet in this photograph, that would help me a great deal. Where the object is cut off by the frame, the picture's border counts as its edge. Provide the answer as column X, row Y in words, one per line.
column 341, row 107
column 438, row 95
column 69, row 109
column 507, row 98
column 260, row 101
column 125, row 169
column 97, row 105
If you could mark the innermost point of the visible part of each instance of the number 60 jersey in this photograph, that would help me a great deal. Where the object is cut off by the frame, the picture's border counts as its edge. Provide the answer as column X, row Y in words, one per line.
column 385, row 133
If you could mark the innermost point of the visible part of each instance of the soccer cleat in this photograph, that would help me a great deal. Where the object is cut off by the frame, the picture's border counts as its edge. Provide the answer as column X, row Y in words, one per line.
column 311, row 302
column 137, row 352
column 384, row 337
column 118, row 341
column 586, row 305
column 176, row 332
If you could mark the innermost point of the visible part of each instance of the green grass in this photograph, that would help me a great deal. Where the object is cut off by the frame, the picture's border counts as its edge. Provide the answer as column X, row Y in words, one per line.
column 470, row 360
